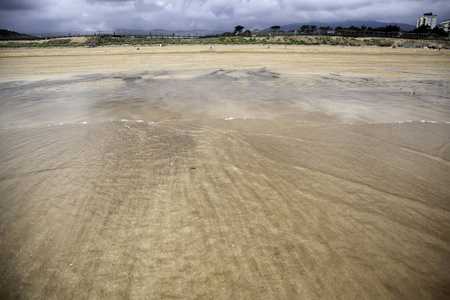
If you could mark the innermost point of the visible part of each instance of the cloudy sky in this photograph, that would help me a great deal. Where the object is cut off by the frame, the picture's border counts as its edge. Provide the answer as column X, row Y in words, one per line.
column 38, row 16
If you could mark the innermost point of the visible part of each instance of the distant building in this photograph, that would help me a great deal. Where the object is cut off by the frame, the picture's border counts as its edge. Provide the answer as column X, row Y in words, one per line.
column 256, row 32
column 445, row 25
column 427, row 19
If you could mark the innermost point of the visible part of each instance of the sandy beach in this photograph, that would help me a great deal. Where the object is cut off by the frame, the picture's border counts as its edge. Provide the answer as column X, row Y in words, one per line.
column 225, row 172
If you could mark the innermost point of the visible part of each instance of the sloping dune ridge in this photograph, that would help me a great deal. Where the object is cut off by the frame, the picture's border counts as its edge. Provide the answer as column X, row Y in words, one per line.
column 301, row 175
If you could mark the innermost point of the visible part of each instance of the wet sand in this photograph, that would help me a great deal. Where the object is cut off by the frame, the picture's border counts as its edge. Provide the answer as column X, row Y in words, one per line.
column 319, row 173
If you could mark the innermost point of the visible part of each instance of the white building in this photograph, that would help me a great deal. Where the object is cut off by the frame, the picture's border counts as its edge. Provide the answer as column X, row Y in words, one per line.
column 445, row 25
column 427, row 19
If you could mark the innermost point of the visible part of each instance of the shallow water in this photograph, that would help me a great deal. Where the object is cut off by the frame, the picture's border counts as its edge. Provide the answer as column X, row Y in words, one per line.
column 239, row 93
column 231, row 183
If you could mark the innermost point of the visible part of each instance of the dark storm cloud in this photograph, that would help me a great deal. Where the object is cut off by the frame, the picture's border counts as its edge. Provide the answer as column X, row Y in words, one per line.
column 8, row 5
column 57, row 15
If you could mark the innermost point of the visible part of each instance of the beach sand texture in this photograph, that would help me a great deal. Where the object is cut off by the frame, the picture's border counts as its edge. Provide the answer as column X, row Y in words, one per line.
column 194, row 174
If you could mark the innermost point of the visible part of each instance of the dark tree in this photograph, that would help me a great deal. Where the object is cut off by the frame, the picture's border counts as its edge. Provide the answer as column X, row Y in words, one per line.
column 392, row 28
column 238, row 29
column 422, row 29
column 324, row 29
column 439, row 31
column 308, row 29
column 427, row 29
column 304, row 29
column 275, row 28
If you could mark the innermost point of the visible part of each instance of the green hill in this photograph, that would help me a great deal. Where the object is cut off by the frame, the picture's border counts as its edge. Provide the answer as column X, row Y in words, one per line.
column 12, row 35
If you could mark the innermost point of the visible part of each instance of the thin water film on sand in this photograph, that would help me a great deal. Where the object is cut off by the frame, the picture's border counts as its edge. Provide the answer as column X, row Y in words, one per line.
column 225, row 183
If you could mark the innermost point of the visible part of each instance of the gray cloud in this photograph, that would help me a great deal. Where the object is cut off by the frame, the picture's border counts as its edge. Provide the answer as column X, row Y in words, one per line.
column 111, row 1
column 79, row 15
column 8, row 5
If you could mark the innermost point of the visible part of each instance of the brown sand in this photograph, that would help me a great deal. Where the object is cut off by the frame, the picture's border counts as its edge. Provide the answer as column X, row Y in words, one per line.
column 189, row 172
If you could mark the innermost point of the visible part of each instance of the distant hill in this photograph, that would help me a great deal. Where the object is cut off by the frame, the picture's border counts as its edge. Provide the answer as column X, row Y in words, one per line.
column 12, row 35
column 373, row 24
column 124, row 31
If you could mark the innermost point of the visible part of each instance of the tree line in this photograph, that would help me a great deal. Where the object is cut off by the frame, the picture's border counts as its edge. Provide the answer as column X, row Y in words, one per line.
column 324, row 30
